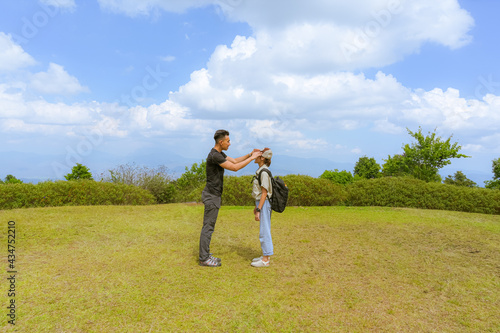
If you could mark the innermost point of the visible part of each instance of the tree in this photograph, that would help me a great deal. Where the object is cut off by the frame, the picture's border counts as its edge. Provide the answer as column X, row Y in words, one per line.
column 79, row 172
column 367, row 168
column 338, row 177
column 495, row 183
column 10, row 179
column 496, row 168
column 423, row 158
column 459, row 179
column 157, row 180
column 395, row 166
column 492, row 184
column 193, row 177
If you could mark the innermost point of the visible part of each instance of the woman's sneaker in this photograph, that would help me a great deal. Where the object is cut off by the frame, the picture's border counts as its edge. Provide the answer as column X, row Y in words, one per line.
column 260, row 263
column 257, row 259
column 210, row 263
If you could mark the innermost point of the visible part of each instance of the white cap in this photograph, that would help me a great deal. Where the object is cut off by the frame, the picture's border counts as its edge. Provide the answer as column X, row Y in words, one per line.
column 267, row 154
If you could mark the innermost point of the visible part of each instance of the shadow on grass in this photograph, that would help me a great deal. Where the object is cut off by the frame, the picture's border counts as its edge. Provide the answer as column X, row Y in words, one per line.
column 245, row 252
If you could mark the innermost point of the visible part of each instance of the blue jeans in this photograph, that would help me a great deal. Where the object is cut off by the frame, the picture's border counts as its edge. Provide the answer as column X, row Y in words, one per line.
column 266, row 241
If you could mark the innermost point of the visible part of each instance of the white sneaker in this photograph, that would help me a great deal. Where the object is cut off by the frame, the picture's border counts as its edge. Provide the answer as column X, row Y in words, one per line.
column 257, row 259
column 260, row 263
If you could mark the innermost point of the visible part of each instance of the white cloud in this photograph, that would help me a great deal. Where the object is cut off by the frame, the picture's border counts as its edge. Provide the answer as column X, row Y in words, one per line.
column 356, row 151
column 473, row 148
column 15, row 108
column 291, row 77
column 22, row 126
column 308, row 144
column 448, row 110
column 20, row 114
column 12, row 103
column 296, row 66
column 293, row 67
column 444, row 22
column 108, row 126
column 60, row 113
column 357, row 35
column 385, row 126
column 323, row 36
column 168, row 58
column 56, row 81
column 237, row 83
column 160, row 119
column 272, row 131
column 491, row 142
column 12, row 56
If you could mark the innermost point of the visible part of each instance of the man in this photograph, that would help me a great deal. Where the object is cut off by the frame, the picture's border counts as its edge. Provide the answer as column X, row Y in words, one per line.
column 217, row 161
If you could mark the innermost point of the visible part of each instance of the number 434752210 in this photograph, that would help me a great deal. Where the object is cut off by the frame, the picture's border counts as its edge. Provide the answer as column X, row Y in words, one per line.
column 11, row 239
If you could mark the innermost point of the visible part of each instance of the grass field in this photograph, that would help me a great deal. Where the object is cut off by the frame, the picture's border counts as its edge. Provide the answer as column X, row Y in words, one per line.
column 335, row 269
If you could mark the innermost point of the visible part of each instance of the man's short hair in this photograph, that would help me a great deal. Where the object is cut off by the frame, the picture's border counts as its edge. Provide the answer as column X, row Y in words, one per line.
column 220, row 135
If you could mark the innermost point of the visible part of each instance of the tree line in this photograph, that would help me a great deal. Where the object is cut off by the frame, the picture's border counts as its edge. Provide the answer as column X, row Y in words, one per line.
column 421, row 159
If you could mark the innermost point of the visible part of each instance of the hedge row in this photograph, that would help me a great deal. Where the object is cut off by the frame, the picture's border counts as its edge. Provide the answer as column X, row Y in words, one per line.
column 414, row 193
column 304, row 191
column 385, row 191
column 72, row 193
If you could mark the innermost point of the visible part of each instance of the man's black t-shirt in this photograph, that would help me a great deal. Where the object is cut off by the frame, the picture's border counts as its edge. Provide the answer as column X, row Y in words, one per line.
column 215, row 173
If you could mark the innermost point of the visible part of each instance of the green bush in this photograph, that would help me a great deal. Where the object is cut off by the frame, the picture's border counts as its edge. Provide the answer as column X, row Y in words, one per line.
column 190, row 184
column 238, row 191
column 414, row 193
column 191, row 195
column 303, row 191
column 459, row 179
column 10, row 179
column 72, row 193
column 367, row 168
column 309, row 191
column 339, row 177
column 492, row 184
column 79, row 172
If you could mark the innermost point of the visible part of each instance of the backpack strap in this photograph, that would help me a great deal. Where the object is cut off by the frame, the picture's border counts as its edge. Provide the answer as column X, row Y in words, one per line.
column 270, row 176
column 260, row 175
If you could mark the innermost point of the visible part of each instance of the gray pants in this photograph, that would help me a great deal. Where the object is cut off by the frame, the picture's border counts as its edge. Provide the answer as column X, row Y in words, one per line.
column 212, row 205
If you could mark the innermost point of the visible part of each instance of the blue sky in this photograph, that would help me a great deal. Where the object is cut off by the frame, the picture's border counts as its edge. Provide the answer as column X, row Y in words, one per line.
column 322, row 83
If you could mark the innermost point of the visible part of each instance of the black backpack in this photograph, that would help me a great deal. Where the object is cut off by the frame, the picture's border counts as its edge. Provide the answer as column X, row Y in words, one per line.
column 280, row 192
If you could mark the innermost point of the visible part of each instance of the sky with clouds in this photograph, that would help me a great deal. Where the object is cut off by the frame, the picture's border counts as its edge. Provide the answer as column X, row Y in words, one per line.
column 108, row 82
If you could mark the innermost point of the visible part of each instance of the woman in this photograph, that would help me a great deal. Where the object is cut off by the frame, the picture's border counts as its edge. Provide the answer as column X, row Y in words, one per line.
column 261, row 191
